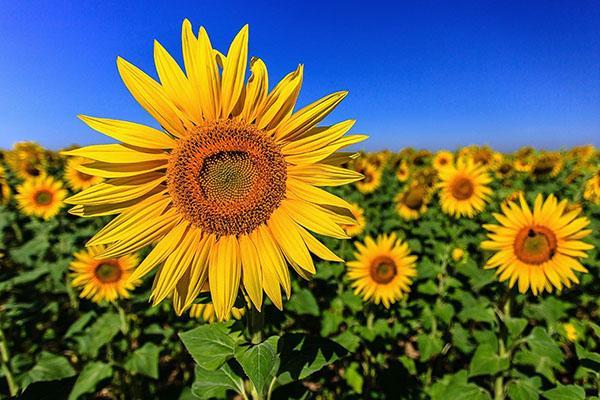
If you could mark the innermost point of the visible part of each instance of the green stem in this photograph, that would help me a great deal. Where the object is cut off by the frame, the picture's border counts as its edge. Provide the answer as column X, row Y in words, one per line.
column 255, row 321
column 5, row 359
column 499, row 383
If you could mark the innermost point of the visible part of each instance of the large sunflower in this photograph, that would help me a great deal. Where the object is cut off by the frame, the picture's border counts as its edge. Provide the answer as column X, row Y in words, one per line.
column 229, row 187
column 42, row 196
column 78, row 180
column 464, row 189
column 383, row 269
column 538, row 249
column 106, row 279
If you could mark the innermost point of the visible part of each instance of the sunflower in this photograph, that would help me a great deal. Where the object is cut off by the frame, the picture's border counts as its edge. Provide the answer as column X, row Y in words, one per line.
column 464, row 189
column 442, row 159
column 548, row 164
column 229, row 188
column 514, row 196
column 102, row 279
column 591, row 189
column 403, row 171
column 206, row 312
column 540, row 248
column 372, row 177
column 570, row 332
column 42, row 196
column 5, row 191
column 26, row 159
column 383, row 269
column 523, row 164
column 379, row 159
column 78, row 180
column 505, row 169
column 359, row 215
column 485, row 157
column 457, row 254
column 412, row 201
column 420, row 158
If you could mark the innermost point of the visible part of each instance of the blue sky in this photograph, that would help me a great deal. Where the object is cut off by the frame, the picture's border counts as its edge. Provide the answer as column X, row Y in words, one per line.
column 424, row 74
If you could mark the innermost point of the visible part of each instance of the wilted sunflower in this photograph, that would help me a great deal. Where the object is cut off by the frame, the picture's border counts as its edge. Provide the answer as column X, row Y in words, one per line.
column 383, row 270
column 359, row 215
column 102, row 279
column 26, row 159
column 5, row 191
column 229, row 187
column 547, row 164
column 78, row 180
column 372, row 177
column 403, row 171
column 464, row 189
column 206, row 312
column 412, row 201
column 538, row 249
column 591, row 190
column 442, row 159
column 42, row 196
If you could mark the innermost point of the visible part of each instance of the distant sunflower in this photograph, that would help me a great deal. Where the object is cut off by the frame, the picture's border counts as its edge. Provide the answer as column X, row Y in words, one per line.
column 570, row 332
column 442, row 159
column 538, row 249
column 206, row 312
column 464, row 189
column 383, row 270
column 427, row 177
column 372, row 177
column 5, row 191
column 591, row 189
column 548, row 164
column 412, row 201
column 102, row 279
column 379, row 159
column 229, row 188
column 359, row 215
column 505, row 169
column 26, row 159
column 485, row 157
column 420, row 158
column 78, row 180
column 523, row 164
column 457, row 254
column 403, row 171
column 42, row 196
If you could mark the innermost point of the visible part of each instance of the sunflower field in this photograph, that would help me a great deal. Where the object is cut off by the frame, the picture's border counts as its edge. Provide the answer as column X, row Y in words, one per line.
column 468, row 275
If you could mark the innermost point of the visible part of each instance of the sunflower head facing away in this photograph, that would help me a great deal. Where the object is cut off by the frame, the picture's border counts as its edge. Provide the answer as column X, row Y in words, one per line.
column 26, row 159
column 78, row 180
column 229, row 187
column 539, row 249
column 102, row 279
column 41, row 197
column 412, row 201
column 383, row 269
column 464, row 189
column 359, row 226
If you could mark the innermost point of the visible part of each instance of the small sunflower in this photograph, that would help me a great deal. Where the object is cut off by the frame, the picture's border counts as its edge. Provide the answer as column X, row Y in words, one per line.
column 420, row 158
column 229, row 187
column 379, row 159
column 42, row 196
column 524, row 164
column 26, row 159
column 464, row 189
column 570, row 332
column 505, row 169
column 102, row 279
column 548, row 164
column 457, row 254
column 372, row 177
column 539, row 249
column 78, row 180
column 359, row 215
column 5, row 191
column 383, row 270
column 412, row 201
column 591, row 189
column 485, row 157
column 403, row 171
column 206, row 312
column 442, row 159
column 427, row 177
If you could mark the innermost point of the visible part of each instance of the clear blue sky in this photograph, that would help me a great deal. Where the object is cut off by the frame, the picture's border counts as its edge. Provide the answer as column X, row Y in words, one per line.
column 424, row 74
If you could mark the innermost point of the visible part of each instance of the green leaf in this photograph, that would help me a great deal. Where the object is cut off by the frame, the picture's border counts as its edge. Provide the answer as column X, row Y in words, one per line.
column 461, row 338
column 429, row 345
column 523, row 389
column 144, row 361
column 565, row 392
column 303, row 302
column 210, row 345
column 549, row 309
column 354, row 378
column 544, row 354
column 444, row 311
column 93, row 373
column 486, row 361
column 349, row 340
column 303, row 355
column 210, row 384
column 49, row 367
column 456, row 387
column 515, row 327
column 78, row 325
column 259, row 363
column 98, row 334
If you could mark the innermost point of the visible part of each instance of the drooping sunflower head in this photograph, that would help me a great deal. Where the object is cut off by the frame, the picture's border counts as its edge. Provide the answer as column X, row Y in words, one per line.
column 104, row 279
column 547, row 164
column 383, row 270
column 372, row 177
column 412, row 201
column 464, row 189
column 41, row 197
column 442, row 159
column 359, row 215
column 26, row 159
column 76, row 179
column 229, row 187
column 591, row 190
column 539, row 249
column 403, row 171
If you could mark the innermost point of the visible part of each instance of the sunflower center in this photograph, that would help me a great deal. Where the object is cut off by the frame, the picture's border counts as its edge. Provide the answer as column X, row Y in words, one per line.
column 535, row 245
column 383, row 270
column 227, row 177
column 32, row 170
column 43, row 197
column 108, row 272
column 414, row 198
column 443, row 161
column 462, row 188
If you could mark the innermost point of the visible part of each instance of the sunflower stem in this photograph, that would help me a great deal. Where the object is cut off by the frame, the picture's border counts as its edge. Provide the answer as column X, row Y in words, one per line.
column 499, row 383
column 4, row 360
column 255, row 323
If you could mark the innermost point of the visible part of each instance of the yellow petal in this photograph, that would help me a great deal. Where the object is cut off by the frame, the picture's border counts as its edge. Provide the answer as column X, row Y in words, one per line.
column 323, row 174
column 281, row 100
column 192, row 63
column 320, row 154
column 256, row 90
column 116, row 190
column 111, row 152
column 290, row 241
column 208, row 75
column 234, row 72
column 318, row 138
column 299, row 190
column 130, row 132
column 224, row 273
column 313, row 218
column 251, row 271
